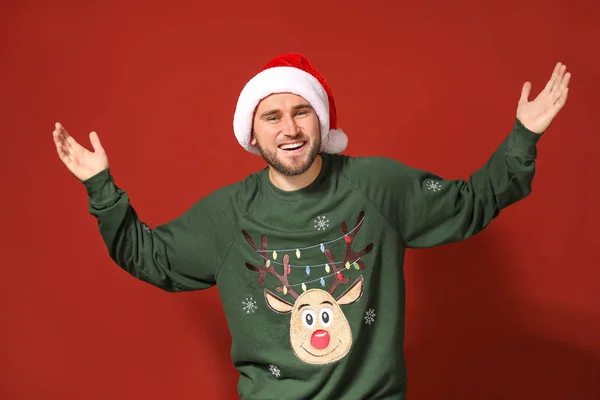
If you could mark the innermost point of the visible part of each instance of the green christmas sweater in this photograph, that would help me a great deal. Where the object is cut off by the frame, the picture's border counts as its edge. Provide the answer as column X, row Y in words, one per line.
column 312, row 281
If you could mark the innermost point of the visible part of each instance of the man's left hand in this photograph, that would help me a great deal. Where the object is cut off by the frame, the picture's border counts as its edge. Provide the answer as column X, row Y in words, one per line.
column 538, row 114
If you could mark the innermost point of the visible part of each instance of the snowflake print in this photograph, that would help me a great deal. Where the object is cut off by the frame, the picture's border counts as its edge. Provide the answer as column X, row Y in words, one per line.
column 275, row 371
column 249, row 305
column 321, row 222
column 433, row 186
column 370, row 316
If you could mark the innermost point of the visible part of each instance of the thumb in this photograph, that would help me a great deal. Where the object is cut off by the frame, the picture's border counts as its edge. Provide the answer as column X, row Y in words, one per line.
column 96, row 142
column 525, row 91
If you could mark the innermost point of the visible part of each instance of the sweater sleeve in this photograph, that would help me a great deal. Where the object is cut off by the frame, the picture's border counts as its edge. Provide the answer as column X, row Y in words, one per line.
column 435, row 211
column 168, row 256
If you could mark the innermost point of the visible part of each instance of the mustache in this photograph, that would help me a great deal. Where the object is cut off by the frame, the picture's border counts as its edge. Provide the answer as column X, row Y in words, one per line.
column 297, row 138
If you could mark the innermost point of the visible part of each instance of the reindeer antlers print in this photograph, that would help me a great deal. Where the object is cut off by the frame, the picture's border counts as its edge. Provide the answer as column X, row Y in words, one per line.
column 267, row 268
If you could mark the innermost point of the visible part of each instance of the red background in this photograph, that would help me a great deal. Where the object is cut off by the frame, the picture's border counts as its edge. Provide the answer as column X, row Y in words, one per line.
column 512, row 313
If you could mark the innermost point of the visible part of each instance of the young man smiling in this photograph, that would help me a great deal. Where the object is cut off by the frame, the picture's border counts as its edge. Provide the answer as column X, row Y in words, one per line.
column 286, row 132
column 308, row 253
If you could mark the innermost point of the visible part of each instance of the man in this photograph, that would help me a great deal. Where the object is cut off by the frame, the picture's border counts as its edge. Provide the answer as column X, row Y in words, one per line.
column 308, row 253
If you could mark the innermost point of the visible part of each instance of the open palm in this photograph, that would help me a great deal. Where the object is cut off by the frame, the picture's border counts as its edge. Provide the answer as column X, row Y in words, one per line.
column 538, row 114
column 80, row 161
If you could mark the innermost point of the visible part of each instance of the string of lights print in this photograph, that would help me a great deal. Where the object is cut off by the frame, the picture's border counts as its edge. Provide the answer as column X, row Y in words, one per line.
column 298, row 252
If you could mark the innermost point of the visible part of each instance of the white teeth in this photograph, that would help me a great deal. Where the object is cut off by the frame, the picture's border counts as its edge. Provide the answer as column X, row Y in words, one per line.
column 292, row 146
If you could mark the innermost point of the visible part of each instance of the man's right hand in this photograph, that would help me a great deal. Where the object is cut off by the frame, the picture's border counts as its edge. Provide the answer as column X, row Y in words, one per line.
column 80, row 161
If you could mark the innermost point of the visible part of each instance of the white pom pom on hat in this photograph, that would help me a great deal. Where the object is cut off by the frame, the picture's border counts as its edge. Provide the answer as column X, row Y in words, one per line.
column 289, row 73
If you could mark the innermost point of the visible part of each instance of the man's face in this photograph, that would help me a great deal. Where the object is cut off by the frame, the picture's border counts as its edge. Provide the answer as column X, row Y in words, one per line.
column 287, row 133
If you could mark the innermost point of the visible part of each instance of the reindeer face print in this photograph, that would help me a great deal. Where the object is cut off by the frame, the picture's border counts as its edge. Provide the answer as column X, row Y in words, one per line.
column 319, row 330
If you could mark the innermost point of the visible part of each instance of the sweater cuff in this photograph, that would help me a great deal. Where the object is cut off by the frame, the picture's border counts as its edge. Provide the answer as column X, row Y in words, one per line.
column 523, row 140
column 101, row 187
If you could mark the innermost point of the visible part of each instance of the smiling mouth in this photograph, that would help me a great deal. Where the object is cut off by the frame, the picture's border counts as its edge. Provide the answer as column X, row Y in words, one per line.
column 292, row 146
column 316, row 355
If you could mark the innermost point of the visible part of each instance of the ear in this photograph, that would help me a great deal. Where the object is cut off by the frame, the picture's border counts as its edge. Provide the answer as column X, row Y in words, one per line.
column 277, row 304
column 252, row 138
column 352, row 294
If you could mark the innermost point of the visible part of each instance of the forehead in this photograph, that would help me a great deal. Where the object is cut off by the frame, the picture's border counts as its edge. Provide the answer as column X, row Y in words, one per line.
column 280, row 101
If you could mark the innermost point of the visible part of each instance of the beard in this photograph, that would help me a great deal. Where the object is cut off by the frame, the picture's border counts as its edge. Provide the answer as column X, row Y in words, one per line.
column 294, row 167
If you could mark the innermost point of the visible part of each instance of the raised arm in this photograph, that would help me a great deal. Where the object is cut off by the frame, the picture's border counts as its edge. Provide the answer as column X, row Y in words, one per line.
column 166, row 257
column 435, row 211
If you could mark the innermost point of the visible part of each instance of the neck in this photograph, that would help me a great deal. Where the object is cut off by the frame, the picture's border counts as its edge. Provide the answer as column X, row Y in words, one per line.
column 297, row 182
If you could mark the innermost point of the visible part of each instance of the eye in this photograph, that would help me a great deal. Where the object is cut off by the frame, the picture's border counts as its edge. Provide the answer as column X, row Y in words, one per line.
column 308, row 317
column 326, row 316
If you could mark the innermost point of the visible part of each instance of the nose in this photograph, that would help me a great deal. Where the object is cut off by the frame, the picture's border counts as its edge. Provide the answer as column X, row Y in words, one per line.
column 291, row 127
column 320, row 339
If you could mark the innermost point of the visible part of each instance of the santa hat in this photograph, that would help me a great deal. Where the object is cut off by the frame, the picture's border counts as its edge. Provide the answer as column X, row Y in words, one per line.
column 289, row 73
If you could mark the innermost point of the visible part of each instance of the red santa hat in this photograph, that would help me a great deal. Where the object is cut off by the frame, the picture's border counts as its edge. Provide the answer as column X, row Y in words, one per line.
column 289, row 73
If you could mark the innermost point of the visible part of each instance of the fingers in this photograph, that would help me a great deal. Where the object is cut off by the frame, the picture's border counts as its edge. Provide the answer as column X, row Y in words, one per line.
column 525, row 91
column 69, row 141
column 558, row 89
column 564, row 82
column 562, row 99
column 555, row 84
column 553, row 77
column 63, row 147
column 61, row 134
column 64, row 156
column 95, row 140
column 558, row 78
column 63, row 151
column 566, row 79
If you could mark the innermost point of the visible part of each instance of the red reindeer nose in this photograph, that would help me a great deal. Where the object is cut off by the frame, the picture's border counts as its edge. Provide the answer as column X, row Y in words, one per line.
column 320, row 339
